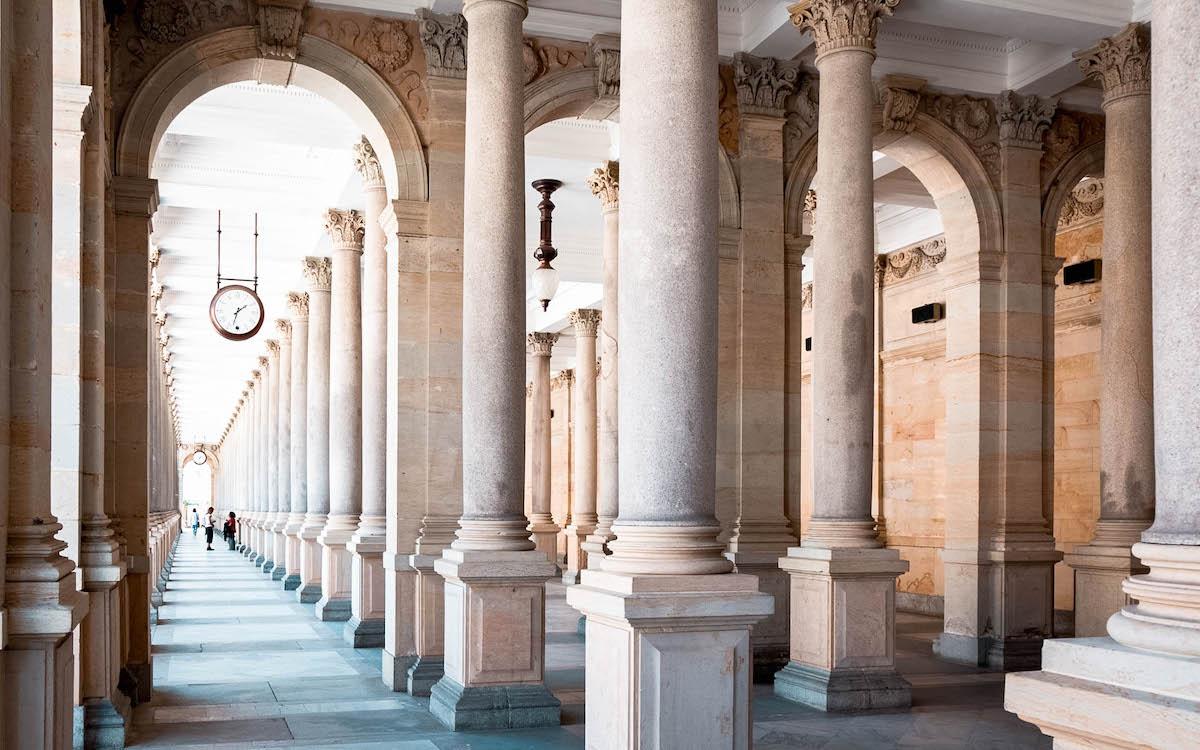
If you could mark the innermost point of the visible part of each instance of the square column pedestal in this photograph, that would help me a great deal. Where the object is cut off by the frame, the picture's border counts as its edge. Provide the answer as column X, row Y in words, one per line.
column 367, row 611
column 399, row 643
column 279, row 545
column 843, row 630
column 495, row 641
column 1095, row 693
column 336, row 576
column 292, row 581
column 429, row 625
column 668, row 658
column 309, row 591
column 1099, row 571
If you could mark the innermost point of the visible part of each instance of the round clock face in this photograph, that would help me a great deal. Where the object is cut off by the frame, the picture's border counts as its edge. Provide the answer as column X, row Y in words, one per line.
column 236, row 312
column 199, row 458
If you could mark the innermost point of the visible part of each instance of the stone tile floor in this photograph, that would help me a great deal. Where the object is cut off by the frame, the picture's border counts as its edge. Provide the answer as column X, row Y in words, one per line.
column 238, row 663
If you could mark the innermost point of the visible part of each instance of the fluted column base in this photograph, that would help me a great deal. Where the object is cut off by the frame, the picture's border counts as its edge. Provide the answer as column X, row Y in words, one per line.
column 843, row 630
column 495, row 606
column 429, row 625
column 336, row 573
column 676, row 647
column 1097, row 694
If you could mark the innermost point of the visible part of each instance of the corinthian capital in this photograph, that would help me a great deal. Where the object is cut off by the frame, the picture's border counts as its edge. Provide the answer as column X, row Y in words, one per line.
column 585, row 320
column 284, row 327
column 541, row 343
column 841, row 24
column 605, row 184
column 367, row 164
column 346, row 228
column 263, row 364
column 318, row 272
column 1121, row 62
column 764, row 83
column 297, row 303
column 272, row 348
column 1024, row 118
column 445, row 41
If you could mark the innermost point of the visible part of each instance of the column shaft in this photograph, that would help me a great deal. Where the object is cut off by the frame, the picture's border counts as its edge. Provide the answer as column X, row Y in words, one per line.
column 583, row 510
column 283, row 451
column 541, row 524
column 317, row 273
column 297, row 451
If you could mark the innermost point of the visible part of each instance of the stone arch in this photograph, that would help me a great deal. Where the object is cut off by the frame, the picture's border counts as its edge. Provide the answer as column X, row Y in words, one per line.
column 1086, row 162
column 944, row 163
column 232, row 55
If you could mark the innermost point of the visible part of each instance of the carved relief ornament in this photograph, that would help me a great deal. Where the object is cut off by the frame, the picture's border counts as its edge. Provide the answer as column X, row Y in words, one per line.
column 900, row 98
column 1024, row 118
column 541, row 57
column 318, row 272
column 1084, row 204
column 586, row 320
column 284, row 327
column 297, row 304
column 1121, row 62
column 606, row 185
column 764, row 83
column 605, row 53
column 345, row 227
column 540, row 343
column 841, row 24
column 910, row 261
column 445, row 41
column 279, row 24
column 728, row 119
column 367, row 164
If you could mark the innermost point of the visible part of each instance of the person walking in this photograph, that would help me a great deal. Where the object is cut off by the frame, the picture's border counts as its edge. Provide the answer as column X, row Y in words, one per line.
column 209, row 523
column 195, row 521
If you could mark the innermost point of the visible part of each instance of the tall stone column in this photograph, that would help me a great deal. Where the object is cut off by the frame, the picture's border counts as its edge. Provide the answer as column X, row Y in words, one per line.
column 367, row 600
column 271, row 456
column 41, row 606
column 685, row 678
column 318, row 274
column 1122, row 64
column 843, row 580
column 345, row 230
column 542, row 528
column 761, row 531
column 583, row 510
column 262, row 462
column 297, row 303
column 429, row 401
column 494, row 590
column 605, row 185
column 283, row 448
column 245, row 468
column 1138, row 688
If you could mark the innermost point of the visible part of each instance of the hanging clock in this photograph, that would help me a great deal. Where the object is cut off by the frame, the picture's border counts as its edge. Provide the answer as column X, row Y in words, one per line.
column 236, row 310
column 199, row 458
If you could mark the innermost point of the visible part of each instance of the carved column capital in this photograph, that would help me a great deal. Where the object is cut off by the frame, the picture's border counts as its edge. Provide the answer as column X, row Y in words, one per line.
column 318, row 272
column 764, row 83
column 263, row 364
column 605, row 51
column 346, row 228
column 1120, row 62
column 841, row 24
column 367, row 164
column 297, row 304
column 284, row 327
column 586, row 320
column 445, row 41
column 540, row 343
column 1023, row 118
column 900, row 97
column 272, row 348
column 605, row 184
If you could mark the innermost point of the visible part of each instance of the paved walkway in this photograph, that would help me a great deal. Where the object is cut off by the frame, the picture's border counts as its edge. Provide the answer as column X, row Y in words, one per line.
column 238, row 663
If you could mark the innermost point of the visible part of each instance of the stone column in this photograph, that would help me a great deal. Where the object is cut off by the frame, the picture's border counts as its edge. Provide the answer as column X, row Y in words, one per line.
column 271, row 454
column 297, row 303
column 761, row 532
column 345, row 230
column 366, row 625
column 1122, row 64
column 583, row 510
column 245, row 464
column 429, row 278
column 318, row 275
column 841, row 658
column 604, row 182
column 282, row 425
column 542, row 528
column 262, row 462
column 1138, row 688
column 41, row 606
column 664, row 605
column 494, row 590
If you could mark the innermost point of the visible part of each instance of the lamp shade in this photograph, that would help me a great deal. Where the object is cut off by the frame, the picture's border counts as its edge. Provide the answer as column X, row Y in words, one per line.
column 545, row 283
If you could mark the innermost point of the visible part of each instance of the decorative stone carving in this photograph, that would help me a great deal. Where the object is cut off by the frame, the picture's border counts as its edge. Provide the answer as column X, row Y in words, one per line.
column 764, row 83
column 542, row 58
column 605, row 54
column 263, row 364
column 445, row 41
column 900, row 97
column 564, row 379
column 318, row 272
column 1121, row 62
column 910, row 261
column 968, row 116
column 367, row 164
column 297, row 304
column 728, row 120
column 1085, row 203
column 388, row 45
column 540, row 343
column 586, row 321
column 801, row 117
column 810, row 206
column 166, row 21
column 279, row 24
column 841, row 24
column 1023, row 118
column 345, row 227
column 605, row 184
column 272, row 347
column 806, row 296
column 1069, row 132
column 284, row 327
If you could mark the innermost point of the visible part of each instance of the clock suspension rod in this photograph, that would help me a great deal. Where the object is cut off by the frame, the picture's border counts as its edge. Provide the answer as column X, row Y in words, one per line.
column 218, row 248
column 256, row 251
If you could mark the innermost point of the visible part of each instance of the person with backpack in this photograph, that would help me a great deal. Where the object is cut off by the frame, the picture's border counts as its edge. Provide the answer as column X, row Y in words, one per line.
column 229, row 531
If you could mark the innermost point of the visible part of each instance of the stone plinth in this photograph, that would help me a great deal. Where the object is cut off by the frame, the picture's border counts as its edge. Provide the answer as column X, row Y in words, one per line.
column 675, row 648
column 843, row 630
column 365, row 626
column 495, row 641
column 400, row 599
column 309, row 590
column 1099, row 570
column 429, row 624
column 336, row 575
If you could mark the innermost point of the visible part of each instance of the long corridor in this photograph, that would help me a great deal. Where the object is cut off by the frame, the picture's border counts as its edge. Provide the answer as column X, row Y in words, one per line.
column 238, row 663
